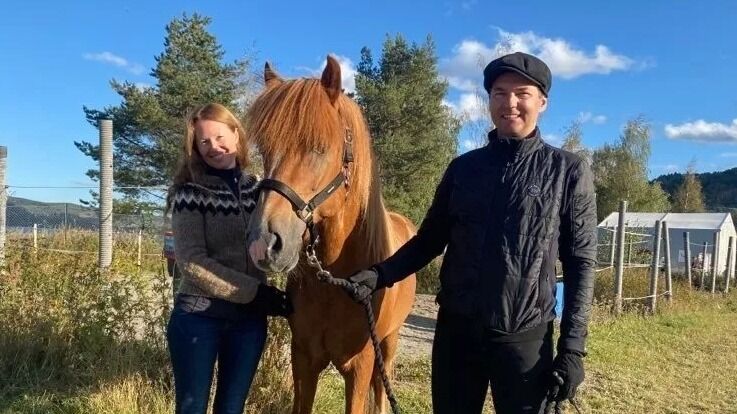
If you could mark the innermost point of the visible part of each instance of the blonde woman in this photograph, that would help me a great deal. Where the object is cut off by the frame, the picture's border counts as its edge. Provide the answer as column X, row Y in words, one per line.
column 222, row 302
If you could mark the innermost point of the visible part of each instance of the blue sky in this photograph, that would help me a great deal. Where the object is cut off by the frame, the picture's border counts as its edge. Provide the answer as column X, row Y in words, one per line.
column 673, row 62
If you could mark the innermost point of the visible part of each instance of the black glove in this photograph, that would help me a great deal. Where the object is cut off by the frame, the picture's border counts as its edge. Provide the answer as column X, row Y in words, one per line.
column 271, row 301
column 365, row 283
column 567, row 374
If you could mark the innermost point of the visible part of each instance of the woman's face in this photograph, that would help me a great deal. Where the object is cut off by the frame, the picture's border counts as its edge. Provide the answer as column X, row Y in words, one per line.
column 216, row 143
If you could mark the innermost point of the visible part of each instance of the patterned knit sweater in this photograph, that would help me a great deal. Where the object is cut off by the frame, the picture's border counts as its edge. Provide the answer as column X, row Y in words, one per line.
column 209, row 226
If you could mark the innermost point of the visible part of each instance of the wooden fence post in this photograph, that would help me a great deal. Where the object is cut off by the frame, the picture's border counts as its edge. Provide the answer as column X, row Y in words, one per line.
column 668, row 274
column 106, row 193
column 620, row 258
column 703, row 266
column 655, row 267
column 714, row 262
column 687, row 254
column 3, row 201
column 730, row 263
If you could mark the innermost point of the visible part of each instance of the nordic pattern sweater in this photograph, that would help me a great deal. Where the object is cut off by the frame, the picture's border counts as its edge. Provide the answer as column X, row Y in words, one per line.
column 209, row 223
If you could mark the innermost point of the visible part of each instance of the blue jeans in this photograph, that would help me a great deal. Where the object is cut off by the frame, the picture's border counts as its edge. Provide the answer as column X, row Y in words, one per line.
column 196, row 341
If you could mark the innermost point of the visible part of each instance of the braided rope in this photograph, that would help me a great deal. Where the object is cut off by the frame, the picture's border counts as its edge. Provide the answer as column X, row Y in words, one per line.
column 325, row 276
column 556, row 407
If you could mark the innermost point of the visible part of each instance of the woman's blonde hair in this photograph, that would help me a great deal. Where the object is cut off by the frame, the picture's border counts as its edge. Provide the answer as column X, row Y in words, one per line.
column 191, row 164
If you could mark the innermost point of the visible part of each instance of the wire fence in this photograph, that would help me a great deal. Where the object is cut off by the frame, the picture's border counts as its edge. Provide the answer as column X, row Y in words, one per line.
column 637, row 248
column 54, row 227
column 703, row 254
column 22, row 219
column 642, row 246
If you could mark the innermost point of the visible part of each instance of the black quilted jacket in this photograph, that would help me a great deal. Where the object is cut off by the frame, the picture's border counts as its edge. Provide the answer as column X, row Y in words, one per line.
column 504, row 213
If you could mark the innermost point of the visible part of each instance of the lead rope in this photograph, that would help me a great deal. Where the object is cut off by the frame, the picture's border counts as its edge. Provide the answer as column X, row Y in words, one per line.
column 325, row 276
column 556, row 407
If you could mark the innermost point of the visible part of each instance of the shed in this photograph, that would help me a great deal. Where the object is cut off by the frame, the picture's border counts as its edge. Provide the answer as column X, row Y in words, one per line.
column 701, row 228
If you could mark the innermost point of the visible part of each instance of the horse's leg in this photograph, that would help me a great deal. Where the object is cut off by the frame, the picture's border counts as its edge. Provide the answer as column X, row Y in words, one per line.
column 305, row 372
column 357, row 376
column 389, row 352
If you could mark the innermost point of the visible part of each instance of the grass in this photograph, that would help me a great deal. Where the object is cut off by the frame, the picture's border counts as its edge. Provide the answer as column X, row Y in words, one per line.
column 77, row 340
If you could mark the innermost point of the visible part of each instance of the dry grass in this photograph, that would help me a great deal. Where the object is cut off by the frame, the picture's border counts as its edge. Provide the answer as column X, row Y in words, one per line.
column 75, row 340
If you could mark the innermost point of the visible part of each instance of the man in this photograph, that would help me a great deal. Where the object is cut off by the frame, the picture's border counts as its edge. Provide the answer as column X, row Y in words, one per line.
column 503, row 214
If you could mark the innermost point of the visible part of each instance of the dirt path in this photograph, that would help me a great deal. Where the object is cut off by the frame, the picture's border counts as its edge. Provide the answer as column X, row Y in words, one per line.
column 415, row 337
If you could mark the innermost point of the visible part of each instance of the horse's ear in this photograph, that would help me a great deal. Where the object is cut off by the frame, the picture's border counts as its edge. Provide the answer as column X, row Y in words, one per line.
column 271, row 78
column 331, row 79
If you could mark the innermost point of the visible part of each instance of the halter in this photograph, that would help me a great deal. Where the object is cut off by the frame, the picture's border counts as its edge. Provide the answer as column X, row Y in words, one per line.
column 305, row 210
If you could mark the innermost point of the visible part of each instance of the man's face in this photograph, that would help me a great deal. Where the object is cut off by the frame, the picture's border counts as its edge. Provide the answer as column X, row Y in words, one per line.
column 515, row 104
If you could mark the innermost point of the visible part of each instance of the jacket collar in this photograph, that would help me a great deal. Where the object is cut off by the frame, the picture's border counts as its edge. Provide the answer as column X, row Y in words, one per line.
column 226, row 174
column 511, row 148
column 215, row 178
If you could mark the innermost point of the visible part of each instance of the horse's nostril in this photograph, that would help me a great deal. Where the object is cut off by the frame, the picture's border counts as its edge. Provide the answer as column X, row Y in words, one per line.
column 273, row 244
column 277, row 243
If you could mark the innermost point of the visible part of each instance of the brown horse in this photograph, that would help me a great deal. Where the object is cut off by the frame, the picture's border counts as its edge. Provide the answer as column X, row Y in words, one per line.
column 312, row 138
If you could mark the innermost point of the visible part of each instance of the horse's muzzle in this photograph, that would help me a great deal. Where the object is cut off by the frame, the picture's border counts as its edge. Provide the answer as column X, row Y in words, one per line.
column 274, row 251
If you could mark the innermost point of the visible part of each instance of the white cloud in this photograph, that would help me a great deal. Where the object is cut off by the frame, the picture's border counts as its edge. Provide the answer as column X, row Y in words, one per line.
column 703, row 131
column 136, row 69
column 666, row 168
column 585, row 117
column 728, row 154
column 142, row 86
column 115, row 60
column 347, row 72
column 465, row 6
column 463, row 70
column 468, row 5
column 671, row 168
column 468, row 145
column 469, row 108
column 465, row 85
column 552, row 139
column 107, row 57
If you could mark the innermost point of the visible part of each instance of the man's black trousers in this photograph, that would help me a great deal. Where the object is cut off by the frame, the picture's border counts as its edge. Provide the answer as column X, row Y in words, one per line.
column 466, row 360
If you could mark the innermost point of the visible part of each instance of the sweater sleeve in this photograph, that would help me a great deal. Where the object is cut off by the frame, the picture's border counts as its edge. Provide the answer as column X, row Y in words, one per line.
column 199, row 268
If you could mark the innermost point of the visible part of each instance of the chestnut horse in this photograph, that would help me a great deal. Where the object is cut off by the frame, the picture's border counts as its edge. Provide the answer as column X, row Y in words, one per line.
column 315, row 142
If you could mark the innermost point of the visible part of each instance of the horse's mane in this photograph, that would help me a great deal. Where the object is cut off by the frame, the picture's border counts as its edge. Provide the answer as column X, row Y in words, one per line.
column 297, row 116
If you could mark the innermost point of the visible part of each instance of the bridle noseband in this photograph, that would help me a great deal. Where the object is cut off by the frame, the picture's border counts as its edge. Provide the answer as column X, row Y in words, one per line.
column 305, row 209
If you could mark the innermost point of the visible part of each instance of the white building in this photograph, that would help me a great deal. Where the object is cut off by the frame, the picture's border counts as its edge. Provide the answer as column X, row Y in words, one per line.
column 702, row 228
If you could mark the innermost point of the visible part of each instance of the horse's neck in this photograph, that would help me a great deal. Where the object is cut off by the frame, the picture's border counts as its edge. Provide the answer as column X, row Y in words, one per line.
column 346, row 241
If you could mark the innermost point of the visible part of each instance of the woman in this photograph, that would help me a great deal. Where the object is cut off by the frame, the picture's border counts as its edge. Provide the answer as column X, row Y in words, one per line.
column 222, row 302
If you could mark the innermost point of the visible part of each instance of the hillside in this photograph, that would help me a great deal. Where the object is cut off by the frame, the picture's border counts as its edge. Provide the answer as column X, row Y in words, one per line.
column 22, row 213
column 720, row 188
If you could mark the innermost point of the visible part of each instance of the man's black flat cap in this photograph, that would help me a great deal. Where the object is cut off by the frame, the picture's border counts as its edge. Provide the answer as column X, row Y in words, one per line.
column 526, row 65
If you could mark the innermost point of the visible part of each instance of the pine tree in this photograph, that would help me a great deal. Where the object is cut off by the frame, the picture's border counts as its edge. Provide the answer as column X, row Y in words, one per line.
column 414, row 134
column 149, row 123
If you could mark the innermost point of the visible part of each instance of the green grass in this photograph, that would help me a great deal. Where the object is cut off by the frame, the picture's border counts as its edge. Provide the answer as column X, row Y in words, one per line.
column 77, row 340
column 682, row 360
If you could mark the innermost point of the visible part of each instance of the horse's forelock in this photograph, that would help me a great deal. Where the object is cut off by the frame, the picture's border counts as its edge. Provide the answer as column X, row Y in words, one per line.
column 297, row 116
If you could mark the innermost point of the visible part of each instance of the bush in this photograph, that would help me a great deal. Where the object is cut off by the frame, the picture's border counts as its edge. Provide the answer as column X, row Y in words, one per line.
column 428, row 278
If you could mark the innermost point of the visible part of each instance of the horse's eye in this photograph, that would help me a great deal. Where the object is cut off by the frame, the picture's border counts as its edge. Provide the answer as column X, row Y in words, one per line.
column 319, row 151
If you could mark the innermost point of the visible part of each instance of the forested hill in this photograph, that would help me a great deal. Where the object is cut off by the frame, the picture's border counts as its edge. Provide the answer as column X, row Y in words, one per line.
column 719, row 188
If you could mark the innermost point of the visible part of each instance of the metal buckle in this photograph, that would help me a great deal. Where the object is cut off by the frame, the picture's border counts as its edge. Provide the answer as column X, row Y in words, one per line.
column 305, row 214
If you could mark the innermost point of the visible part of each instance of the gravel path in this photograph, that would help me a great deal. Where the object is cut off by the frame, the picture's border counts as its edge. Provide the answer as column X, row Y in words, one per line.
column 415, row 337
